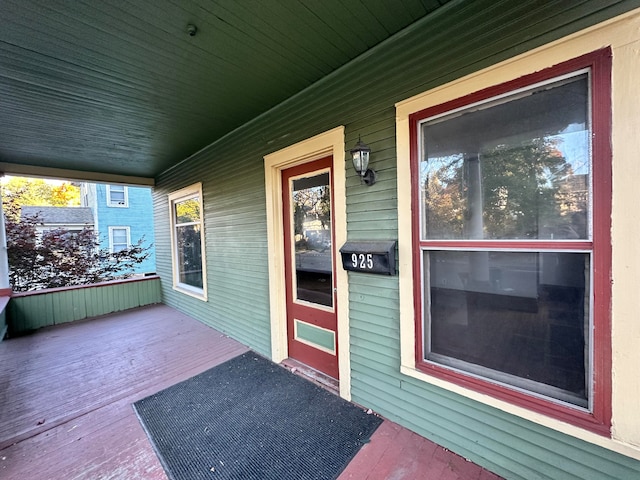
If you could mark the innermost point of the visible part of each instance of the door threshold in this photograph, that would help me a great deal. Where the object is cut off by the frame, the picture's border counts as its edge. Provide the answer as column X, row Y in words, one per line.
column 317, row 377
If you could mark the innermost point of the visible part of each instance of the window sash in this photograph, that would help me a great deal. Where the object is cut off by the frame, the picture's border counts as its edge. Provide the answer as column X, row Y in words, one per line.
column 469, row 199
column 117, row 196
column 187, row 239
column 189, row 255
column 119, row 238
column 527, row 315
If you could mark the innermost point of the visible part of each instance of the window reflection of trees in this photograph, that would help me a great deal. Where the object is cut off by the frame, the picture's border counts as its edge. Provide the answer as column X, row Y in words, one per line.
column 312, row 218
column 528, row 191
column 311, row 205
column 188, row 211
column 188, row 240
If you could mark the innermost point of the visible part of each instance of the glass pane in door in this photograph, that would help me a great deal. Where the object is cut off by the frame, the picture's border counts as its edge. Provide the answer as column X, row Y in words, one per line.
column 312, row 238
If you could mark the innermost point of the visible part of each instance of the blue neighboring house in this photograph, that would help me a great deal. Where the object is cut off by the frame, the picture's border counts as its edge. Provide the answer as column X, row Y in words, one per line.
column 123, row 215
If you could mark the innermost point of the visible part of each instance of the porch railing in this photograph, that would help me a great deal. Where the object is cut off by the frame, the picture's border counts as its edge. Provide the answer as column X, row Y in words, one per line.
column 29, row 311
column 4, row 301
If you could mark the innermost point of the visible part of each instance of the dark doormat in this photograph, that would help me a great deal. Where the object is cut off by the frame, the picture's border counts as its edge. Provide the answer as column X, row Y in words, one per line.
column 249, row 418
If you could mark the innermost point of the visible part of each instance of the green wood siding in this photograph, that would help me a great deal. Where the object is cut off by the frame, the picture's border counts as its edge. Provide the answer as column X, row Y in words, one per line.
column 235, row 234
column 460, row 38
column 35, row 310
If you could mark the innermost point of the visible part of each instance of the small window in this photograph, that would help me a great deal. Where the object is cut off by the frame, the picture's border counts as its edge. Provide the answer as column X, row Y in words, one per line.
column 119, row 239
column 512, row 246
column 117, row 196
column 187, row 236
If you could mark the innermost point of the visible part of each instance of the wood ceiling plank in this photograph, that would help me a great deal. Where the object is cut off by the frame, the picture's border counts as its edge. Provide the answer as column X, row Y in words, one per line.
column 393, row 17
column 119, row 83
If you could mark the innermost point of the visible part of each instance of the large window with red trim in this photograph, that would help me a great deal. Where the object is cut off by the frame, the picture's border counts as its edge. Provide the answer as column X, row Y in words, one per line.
column 511, row 201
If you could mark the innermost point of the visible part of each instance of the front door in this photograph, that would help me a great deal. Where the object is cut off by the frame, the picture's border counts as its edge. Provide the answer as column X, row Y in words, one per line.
column 309, row 265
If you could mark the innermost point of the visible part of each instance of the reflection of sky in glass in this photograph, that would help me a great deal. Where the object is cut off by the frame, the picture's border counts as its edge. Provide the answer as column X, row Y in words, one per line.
column 429, row 167
column 573, row 142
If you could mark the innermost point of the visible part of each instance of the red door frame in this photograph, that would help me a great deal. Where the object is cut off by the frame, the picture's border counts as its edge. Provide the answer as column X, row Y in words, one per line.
column 323, row 317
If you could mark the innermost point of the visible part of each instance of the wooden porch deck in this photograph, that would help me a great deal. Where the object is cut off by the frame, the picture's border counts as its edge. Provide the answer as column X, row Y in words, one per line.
column 66, row 395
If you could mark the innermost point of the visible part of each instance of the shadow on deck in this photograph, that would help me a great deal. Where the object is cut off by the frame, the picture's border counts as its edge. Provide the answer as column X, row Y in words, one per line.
column 66, row 395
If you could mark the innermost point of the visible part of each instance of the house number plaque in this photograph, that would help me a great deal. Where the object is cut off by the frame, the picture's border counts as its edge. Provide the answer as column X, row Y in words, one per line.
column 370, row 257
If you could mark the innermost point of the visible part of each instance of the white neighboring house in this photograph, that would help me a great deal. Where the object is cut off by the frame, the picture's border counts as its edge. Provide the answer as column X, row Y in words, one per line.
column 74, row 219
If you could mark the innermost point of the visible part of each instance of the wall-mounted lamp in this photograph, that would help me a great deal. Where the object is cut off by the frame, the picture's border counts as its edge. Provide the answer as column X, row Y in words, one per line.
column 360, row 156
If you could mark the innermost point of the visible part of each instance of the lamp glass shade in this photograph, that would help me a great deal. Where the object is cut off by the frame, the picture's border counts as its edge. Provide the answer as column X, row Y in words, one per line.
column 360, row 161
column 360, row 156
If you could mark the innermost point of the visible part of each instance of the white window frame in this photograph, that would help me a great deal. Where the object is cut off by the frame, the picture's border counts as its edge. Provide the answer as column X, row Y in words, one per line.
column 192, row 191
column 111, row 230
column 118, row 188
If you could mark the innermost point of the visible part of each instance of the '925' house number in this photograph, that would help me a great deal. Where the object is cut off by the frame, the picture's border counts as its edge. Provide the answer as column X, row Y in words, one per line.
column 362, row 261
column 369, row 257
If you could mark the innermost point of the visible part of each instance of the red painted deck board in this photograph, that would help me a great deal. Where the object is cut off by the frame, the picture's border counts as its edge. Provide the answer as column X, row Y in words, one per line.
column 66, row 396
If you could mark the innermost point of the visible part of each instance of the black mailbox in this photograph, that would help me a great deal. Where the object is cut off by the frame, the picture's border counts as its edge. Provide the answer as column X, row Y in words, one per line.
column 370, row 257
